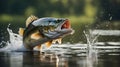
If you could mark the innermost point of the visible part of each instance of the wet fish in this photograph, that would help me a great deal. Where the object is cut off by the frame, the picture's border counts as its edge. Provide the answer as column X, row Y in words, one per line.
column 44, row 30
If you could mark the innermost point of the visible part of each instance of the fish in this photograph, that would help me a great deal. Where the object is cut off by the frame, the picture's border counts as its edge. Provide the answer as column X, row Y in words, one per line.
column 46, row 30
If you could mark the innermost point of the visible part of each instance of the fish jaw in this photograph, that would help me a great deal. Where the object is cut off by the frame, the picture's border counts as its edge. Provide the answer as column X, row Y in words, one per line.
column 63, row 29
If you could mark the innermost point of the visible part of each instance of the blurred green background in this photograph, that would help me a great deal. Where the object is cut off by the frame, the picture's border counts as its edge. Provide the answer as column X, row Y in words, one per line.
column 83, row 14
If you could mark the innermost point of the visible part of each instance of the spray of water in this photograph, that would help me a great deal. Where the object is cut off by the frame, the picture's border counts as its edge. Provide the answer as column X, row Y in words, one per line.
column 91, row 39
column 91, row 56
column 14, row 43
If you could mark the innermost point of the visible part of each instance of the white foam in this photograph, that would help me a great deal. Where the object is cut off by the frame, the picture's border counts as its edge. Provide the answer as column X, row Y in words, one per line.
column 14, row 43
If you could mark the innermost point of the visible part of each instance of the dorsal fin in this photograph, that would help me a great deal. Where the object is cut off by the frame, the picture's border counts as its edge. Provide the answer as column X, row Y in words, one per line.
column 30, row 19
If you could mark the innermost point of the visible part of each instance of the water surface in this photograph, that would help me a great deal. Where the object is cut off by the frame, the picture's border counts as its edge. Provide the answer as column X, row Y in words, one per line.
column 92, row 54
column 80, row 59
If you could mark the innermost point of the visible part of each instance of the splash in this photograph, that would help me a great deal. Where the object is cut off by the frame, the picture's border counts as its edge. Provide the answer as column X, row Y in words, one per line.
column 14, row 43
column 91, row 39
column 92, row 54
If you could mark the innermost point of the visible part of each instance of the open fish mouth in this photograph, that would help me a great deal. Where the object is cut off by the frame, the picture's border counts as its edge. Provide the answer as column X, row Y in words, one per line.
column 62, row 29
column 65, row 27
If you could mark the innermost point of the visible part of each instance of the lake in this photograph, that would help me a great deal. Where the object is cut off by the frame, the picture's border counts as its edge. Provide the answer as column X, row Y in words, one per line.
column 64, row 55
column 92, row 54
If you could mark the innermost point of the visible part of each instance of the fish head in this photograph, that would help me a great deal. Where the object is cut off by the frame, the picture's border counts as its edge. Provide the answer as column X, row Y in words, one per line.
column 53, row 27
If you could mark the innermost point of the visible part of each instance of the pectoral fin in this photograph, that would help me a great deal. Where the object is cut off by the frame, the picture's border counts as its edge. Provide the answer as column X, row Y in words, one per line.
column 48, row 44
column 21, row 31
column 59, row 40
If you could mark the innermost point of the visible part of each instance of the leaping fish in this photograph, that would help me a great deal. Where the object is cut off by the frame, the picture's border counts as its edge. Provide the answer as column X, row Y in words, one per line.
column 46, row 30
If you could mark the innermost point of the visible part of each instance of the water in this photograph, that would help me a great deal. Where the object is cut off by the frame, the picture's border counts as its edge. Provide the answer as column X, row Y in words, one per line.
column 35, row 59
column 92, row 54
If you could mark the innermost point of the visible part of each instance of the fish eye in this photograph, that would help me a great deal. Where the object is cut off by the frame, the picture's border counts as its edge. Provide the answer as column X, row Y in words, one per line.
column 59, row 20
column 49, row 21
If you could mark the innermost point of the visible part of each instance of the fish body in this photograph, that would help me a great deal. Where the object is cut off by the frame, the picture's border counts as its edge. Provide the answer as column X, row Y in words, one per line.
column 44, row 30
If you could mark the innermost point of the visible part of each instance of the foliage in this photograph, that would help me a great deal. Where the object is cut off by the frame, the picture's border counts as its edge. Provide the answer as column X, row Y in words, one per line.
column 82, row 13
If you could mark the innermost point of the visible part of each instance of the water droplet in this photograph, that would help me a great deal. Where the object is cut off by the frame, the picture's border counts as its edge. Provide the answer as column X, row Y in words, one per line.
column 111, row 18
